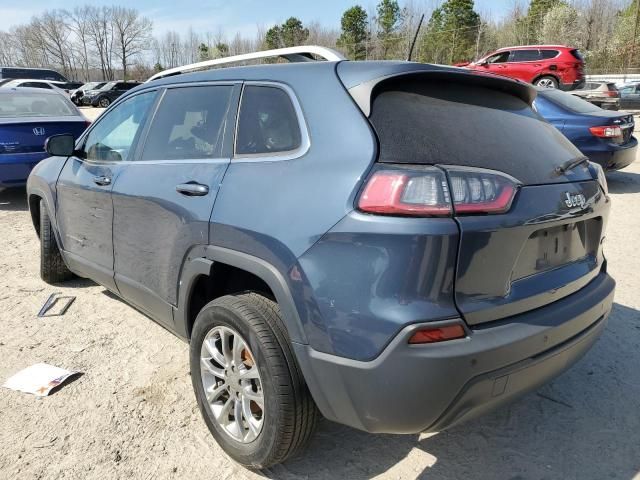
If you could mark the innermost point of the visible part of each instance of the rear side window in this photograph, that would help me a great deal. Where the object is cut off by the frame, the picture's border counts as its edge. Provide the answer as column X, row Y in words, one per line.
column 525, row 55
column 547, row 54
column 267, row 122
column 36, row 85
column 189, row 124
column 432, row 122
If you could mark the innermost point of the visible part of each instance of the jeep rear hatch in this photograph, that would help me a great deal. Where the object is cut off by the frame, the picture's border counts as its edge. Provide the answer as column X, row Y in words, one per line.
column 544, row 244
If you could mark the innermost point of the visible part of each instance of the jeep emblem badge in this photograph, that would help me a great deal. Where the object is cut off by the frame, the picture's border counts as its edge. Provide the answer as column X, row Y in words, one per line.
column 575, row 200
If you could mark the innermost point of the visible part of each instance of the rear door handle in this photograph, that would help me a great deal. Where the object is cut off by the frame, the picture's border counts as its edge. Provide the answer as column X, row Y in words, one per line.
column 102, row 180
column 192, row 189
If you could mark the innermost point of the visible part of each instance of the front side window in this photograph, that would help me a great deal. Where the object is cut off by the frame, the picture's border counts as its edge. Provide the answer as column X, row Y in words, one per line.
column 267, row 123
column 114, row 134
column 36, row 85
column 525, row 55
column 498, row 58
column 189, row 124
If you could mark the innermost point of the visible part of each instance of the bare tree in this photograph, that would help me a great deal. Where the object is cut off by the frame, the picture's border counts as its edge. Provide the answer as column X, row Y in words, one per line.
column 101, row 35
column 51, row 31
column 132, row 34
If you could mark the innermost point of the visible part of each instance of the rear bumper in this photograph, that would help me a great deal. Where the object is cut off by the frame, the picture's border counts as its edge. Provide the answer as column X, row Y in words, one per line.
column 15, row 168
column 614, row 157
column 415, row 388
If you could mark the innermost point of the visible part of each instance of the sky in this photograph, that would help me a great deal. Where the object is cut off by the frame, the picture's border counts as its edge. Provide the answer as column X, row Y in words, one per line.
column 231, row 15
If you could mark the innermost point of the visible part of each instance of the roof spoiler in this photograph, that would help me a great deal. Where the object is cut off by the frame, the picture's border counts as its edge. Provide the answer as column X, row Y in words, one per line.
column 362, row 92
column 303, row 53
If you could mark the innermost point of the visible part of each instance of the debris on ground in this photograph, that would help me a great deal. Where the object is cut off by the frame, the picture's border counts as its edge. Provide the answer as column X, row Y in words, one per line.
column 56, row 305
column 39, row 379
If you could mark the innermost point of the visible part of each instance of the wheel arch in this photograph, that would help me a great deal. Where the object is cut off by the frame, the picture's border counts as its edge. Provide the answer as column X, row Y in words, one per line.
column 202, row 263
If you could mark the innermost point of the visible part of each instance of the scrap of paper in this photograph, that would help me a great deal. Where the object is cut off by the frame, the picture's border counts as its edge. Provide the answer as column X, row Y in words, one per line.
column 38, row 379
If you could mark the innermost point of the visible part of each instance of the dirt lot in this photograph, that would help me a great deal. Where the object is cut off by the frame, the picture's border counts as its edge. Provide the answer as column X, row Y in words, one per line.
column 133, row 415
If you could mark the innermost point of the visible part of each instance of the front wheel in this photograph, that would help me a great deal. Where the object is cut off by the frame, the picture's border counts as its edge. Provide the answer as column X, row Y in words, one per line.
column 104, row 102
column 247, row 383
column 52, row 267
column 546, row 82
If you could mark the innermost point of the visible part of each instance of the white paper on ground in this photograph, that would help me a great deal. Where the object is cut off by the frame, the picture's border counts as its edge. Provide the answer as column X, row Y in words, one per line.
column 38, row 379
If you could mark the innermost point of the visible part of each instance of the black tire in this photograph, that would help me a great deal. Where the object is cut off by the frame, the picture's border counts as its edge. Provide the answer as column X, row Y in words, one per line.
column 52, row 267
column 104, row 102
column 547, row 81
column 290, row 415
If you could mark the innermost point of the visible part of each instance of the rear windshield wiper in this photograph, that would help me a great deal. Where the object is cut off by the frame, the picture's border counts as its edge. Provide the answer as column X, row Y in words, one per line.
column 570, row 164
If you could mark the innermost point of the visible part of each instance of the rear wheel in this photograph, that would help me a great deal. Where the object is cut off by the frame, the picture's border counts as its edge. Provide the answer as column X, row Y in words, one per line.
column 248, row 385
column 546, row 82
column 52, row 267
column 104, row 102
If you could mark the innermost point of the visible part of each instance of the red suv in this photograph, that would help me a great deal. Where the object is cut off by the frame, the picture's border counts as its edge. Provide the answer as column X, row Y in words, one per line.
column 551, row 66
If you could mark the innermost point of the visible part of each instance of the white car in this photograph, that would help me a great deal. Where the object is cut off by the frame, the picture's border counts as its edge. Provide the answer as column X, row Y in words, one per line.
column 32, row 83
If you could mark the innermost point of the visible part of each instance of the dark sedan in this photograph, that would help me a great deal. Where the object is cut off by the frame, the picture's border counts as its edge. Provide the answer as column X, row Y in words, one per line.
column 27, row 117
column 605, row 137
column 104, row 96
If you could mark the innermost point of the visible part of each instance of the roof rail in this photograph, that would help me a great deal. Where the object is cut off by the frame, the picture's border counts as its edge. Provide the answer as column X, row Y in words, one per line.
column 293, row 54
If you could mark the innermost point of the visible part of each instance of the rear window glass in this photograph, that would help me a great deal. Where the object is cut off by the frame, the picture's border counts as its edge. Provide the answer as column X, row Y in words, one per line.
column 442, row 122
column 268, row 122
column 612, row 87
column 19, row 104
column 525, row 55
column 577, row 54
column 569, row 101
column 189, row 124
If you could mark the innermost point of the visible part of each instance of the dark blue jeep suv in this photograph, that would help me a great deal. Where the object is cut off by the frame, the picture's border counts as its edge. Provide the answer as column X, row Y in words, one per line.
column 397, row 246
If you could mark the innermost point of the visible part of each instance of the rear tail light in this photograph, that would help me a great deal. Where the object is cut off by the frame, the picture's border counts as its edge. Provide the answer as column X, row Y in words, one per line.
column 403, row 191
column 607, row 131
column 426, row 191
column 475, row 190
column 437, row 334
column 611, row 93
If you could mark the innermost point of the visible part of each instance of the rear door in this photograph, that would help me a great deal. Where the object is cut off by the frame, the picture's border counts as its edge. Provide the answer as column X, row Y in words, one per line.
column 547, row 245
column 524, row 64
column 163, row 199
column 84, row 208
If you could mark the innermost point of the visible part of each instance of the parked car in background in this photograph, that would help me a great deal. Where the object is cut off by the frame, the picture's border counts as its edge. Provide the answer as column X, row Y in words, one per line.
column 440, row 260
column 31, row 83
column 35, row 73
column 549, row 66
column 27, row 117
column 630, row 96
column 602, row 94
column 103, row 96
column 76, row 95
column 605, row 137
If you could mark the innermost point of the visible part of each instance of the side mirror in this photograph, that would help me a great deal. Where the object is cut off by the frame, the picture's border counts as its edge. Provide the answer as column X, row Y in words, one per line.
column 60, row 145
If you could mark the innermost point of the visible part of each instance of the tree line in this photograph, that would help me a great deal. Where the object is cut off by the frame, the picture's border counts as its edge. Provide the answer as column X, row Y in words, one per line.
column 92, row 43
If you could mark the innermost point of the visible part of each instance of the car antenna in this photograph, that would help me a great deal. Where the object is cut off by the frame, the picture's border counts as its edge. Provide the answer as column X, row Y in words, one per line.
column 415, row 37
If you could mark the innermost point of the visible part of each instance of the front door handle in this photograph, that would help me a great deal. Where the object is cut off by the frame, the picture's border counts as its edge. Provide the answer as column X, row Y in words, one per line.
column 192, row 189
column 102, row 180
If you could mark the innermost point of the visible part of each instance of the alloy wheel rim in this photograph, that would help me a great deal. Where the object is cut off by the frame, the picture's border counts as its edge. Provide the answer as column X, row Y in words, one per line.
column 232, row 384
column 104, row 103
column 546, row 83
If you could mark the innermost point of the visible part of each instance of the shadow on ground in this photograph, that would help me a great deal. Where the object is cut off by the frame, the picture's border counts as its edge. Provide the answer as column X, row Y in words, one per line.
column 623, row 182
column 585, row 425
column 13, row 200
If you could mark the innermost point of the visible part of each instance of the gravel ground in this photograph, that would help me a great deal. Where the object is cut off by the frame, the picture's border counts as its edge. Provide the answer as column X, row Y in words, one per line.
column 133, row 414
